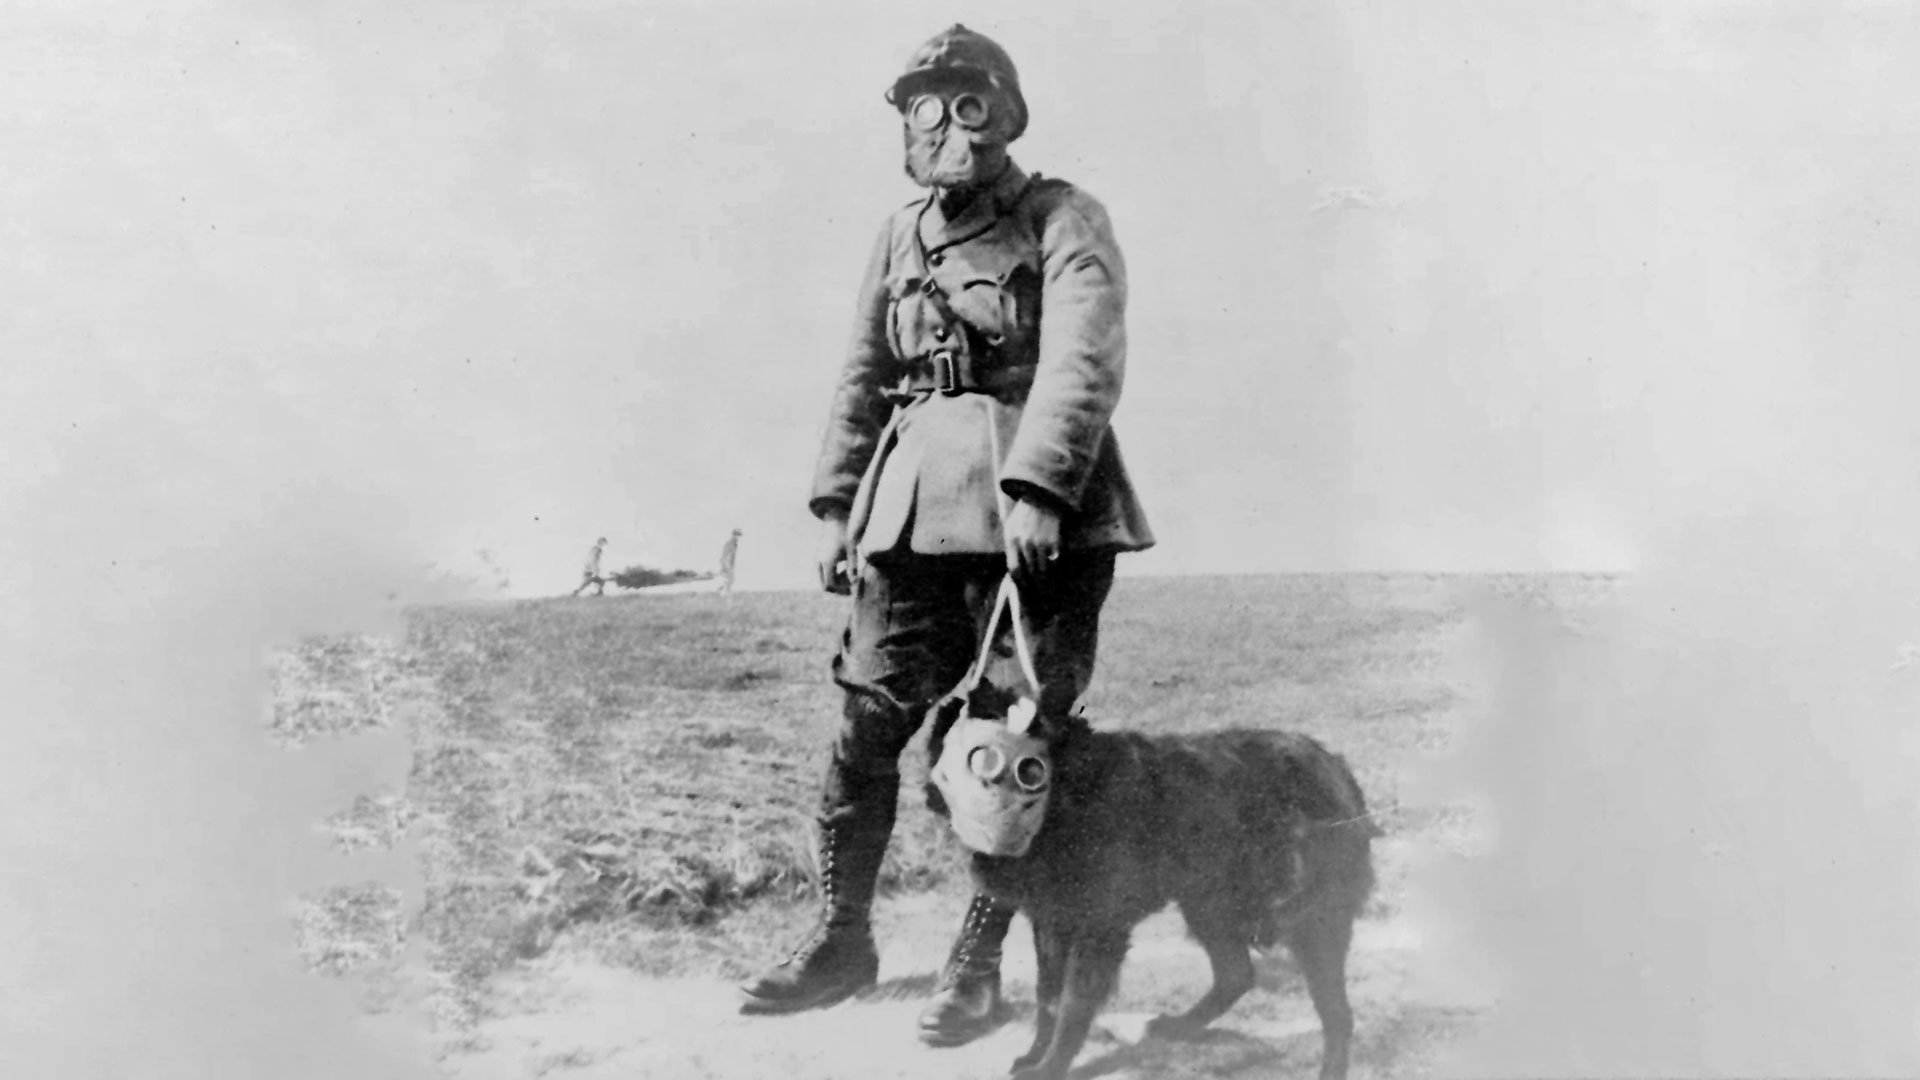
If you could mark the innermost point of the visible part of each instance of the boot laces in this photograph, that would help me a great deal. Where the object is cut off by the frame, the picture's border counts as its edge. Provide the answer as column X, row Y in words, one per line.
column 831, row 917
column 964, row 953
column 824, row 925
column 804, row 951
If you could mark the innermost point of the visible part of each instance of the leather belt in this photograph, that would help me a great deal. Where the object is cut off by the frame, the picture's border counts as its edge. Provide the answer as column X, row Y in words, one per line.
column 949, row 371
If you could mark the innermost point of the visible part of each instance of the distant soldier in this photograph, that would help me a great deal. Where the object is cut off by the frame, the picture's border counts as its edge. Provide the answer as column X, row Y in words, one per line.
column 590, row 573
column 727, row 555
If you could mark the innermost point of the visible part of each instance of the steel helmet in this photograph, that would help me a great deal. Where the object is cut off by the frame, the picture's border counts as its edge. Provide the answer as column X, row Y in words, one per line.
column 960, row 51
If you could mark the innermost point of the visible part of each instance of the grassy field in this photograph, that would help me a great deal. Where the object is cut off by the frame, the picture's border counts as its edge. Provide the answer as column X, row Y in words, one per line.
column 626, row 782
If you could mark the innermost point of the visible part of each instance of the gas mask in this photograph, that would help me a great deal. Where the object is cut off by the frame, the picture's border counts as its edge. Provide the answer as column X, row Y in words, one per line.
column 957, row 133
column 996, row 779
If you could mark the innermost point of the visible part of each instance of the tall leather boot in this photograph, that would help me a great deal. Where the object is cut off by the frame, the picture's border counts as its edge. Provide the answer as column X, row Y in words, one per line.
column 967, row 1004
column 838, row 959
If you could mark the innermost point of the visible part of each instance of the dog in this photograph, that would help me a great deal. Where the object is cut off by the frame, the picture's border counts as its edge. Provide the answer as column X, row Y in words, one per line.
column 1260, row 836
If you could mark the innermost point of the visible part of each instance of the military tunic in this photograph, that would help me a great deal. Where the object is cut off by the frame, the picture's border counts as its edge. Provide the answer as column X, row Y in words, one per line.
column 1022, row 297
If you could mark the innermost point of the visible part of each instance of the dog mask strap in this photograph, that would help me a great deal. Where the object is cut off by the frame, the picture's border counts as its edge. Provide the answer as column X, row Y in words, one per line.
column 986, row 647
column 1007, row 602
column 1021, row 649
column 1009, row 597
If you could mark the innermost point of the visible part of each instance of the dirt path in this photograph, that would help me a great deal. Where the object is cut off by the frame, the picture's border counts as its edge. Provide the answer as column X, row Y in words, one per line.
column 570, row 1016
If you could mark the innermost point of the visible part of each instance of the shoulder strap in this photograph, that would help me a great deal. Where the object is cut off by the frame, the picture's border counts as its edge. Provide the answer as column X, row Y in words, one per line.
column 935, row 294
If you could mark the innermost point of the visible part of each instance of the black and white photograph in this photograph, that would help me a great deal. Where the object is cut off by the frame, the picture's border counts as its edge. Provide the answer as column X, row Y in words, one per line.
column 601, row 539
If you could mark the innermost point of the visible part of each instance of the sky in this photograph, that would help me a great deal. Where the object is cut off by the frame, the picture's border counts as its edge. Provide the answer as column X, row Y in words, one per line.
column 309, row 303
column 1464, row 290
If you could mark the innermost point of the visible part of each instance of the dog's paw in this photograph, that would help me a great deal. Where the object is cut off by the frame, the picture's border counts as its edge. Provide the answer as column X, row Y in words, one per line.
column 1036, row 1065
column 1176, row 1028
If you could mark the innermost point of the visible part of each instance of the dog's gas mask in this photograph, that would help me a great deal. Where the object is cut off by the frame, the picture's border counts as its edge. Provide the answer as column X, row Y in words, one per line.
column 994, row 773
column 995, row 778
column 960, row 105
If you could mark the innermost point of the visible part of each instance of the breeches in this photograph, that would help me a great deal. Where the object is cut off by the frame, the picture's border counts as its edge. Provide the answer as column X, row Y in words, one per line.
column 916, row 628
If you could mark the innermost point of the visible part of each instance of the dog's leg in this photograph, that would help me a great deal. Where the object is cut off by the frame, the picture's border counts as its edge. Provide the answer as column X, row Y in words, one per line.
column 1093, row 964
column 1226, row 944
column 1050, row 958
column 1320, row 945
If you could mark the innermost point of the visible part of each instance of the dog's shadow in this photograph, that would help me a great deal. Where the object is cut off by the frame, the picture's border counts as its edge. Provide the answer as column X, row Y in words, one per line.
column 1225, row 1052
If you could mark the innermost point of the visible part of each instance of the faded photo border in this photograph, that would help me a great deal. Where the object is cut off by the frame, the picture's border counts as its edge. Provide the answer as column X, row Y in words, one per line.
column 318, row 311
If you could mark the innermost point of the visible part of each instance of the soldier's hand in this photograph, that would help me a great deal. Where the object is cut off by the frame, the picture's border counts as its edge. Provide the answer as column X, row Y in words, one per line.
column 1033, row 539
column 834, row 558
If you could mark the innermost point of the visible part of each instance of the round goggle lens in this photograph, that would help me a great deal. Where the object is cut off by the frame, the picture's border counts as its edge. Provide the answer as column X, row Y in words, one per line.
column 986, row 762
column 926, row 112
column 970, row 111
column 1030, row 773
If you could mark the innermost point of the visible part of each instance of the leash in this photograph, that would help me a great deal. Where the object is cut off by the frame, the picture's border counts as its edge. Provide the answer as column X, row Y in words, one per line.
column 1007, row 602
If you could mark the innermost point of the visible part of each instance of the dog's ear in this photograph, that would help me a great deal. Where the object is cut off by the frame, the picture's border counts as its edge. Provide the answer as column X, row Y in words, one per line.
column 1060, row 728
column 989, row 701
column 943, row 716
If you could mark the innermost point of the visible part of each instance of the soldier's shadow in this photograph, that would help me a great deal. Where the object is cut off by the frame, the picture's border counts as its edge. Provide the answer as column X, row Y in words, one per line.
column 921, row 987
column 902, row 987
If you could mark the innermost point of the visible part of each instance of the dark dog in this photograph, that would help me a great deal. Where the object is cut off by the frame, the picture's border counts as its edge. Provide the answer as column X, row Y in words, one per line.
column 1260, row 836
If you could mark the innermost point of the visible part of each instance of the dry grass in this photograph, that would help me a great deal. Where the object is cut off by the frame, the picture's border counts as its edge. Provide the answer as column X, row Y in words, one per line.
column 373, row 822
column 635, row 775
column 347, row 927
column 331, row 686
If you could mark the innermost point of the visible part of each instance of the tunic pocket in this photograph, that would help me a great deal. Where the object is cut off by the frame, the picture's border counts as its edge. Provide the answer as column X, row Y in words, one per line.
column 908, row 318
column 998, row 293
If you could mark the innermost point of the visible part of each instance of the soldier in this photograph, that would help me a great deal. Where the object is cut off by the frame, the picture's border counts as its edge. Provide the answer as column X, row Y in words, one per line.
column 727, row 555
column 590, row 572
column 986, row 360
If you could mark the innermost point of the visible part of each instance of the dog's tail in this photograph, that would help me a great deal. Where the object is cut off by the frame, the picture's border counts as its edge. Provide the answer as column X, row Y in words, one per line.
column 1332, row 877
column 1331, row 854
column 1352, row 800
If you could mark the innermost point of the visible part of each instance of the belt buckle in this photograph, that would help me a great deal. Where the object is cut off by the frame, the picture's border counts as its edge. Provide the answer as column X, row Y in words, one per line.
column 943, row 375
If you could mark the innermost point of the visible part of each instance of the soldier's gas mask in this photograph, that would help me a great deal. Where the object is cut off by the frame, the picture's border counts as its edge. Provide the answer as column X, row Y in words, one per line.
column 960, row 104
column 956, row 132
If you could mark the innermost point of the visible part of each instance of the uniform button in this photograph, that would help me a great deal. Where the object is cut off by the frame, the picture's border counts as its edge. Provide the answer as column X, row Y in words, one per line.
column 939, row 333
column 937, row 259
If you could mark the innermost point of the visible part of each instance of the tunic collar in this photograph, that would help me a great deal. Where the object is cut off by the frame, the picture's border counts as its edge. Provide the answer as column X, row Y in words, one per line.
column 937, row 232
